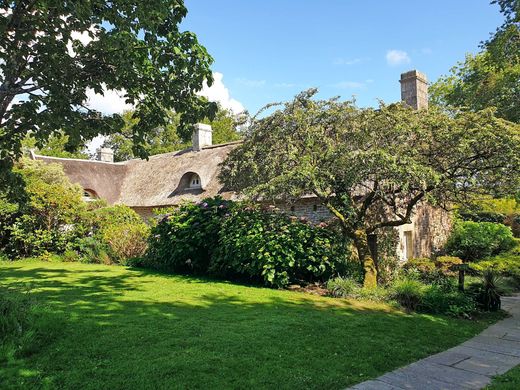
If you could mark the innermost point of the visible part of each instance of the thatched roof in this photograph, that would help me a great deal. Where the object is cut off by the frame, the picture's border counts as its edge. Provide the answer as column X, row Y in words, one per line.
column 163, row 180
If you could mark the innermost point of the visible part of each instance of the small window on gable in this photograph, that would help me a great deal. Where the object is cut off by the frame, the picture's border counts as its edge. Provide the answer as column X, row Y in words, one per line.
column 195, row 181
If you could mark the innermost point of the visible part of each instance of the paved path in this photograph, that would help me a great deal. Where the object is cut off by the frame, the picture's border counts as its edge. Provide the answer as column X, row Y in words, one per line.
column 470, row 365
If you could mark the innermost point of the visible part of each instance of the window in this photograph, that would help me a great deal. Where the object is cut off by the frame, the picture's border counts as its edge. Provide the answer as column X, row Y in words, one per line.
column 408, row 244
column 89, row 195
column 195, row 181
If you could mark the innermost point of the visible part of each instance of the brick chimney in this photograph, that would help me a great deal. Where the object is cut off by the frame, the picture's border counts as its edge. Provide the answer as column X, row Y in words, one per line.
column 202, row 136
column 105, row 155
column 414, row 89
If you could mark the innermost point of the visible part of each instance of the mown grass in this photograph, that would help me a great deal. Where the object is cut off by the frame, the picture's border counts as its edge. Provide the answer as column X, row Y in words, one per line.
column 117, row 328
column 508, row 381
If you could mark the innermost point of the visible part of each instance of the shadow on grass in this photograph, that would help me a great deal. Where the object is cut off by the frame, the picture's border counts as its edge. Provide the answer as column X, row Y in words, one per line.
column 123, row 329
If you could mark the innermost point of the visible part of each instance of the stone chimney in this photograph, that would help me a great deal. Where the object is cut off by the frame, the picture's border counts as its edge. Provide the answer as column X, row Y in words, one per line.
column 105, row 155
column 414, row 89
column 202, row 136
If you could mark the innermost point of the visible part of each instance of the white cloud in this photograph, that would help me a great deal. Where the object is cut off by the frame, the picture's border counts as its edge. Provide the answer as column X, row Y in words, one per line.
column 349, row 85
column 111, row 102
column 95, row 143
column 397, row 57
column 219, row 93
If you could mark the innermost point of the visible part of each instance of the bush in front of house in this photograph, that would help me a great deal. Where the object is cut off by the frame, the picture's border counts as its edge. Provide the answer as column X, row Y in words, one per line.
column 277, row 250
column 50, row 215
column 185, row 240
column 243, row 242
column 477, row 240
column 126, row 242
column 346, row 287
column 438, row 271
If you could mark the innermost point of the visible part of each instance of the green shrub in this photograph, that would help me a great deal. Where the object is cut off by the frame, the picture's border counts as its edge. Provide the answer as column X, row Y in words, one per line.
column 506, row 264
column 447, row 264
column 237, row 241
column 105, row 218
column 439, row 300
column 126, row 241
column 487, row 292
column 278, row 250
column 408, row 293
column 51, row 215
column 184, row 241
column 341, row 287
column 476, row 240
column 88, row 250
column 438, row 271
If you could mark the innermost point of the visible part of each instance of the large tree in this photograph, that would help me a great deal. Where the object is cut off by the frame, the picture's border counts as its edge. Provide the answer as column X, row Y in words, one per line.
column 169, row 138
column 53, row 52
column 491, row 77
column 372, row 167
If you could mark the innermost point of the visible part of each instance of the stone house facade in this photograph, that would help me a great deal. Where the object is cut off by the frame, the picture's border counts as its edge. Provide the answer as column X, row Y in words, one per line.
column 168, row 179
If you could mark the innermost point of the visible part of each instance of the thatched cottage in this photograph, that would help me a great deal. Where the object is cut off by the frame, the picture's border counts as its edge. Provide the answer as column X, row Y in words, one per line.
column 192, row 174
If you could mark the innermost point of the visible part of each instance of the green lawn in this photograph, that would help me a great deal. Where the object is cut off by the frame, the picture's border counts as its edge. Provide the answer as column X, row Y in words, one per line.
column 117, row 328
column 509, row 381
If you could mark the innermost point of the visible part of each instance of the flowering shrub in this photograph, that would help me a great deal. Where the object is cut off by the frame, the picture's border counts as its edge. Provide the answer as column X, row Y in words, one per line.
column 277, row 250
column 184, row 240
column 237, row 241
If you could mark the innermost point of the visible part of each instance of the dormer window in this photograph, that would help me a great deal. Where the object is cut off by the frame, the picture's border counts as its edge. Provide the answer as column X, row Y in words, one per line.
column 89, row 195
column 195, row 181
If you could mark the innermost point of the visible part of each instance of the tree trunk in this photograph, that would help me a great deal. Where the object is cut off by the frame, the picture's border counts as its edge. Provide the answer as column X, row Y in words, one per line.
column 366, row 259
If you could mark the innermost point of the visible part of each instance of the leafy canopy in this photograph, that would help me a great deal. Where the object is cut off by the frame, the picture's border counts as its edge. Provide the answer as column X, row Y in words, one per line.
column 491, row 77
column 53, row 53
column 371, row 167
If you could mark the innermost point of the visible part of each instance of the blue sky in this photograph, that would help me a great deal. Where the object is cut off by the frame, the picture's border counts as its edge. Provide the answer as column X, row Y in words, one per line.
column 268, row 50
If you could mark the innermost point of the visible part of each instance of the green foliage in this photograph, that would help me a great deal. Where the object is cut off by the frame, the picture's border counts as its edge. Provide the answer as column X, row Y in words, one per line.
column 52, row 214
column 506, row 264
column 243, row 242
column 277, row 250
column 502, row 210
column 412, row 158
column 87, row 250
column 185, row 240
column 437, row 299
column 123, row 320
column 169, row 137
column 487, row 292
column 408, row 293
column 476, row 240
column 433, row 298
column 56, row 146
column 134, row 47
column 438, row 272
column 345, row 287
column 17, row 323
column 126, row 241
column 342, row 287
column 105, row 218
column 55, row 219
column 489, row 78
